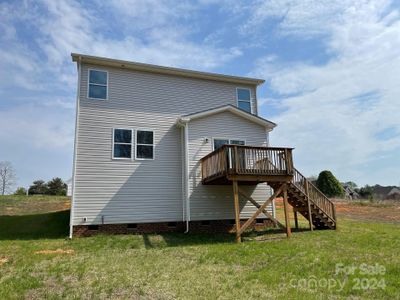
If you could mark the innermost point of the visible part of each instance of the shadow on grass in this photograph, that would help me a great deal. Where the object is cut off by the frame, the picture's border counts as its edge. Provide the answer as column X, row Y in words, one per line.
column 39, row 226
column 151, row 241
column 54, row 225
column 162, row 240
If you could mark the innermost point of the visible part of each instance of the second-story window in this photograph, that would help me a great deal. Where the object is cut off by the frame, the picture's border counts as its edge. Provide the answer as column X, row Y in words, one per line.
column 244, row 99
column 98, row 81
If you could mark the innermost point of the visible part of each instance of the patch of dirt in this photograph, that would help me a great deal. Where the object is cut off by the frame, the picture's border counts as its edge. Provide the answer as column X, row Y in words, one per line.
column 3, row 260
column 57, row 251
column 365, row 211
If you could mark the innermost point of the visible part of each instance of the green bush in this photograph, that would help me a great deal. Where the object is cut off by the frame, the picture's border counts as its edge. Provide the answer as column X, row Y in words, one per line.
column 329, row 185
column 20, row 191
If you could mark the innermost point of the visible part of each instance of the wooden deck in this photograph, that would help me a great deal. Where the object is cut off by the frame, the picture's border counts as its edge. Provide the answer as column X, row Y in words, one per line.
column 246, row 165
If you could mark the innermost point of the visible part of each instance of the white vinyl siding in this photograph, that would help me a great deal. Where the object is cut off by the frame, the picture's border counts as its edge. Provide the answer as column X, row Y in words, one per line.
column 208, row 202
column 138, row 191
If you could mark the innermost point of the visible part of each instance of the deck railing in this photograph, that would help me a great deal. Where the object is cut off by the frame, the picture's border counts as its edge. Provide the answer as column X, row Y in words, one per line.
column 247, row 160
column 314, row 194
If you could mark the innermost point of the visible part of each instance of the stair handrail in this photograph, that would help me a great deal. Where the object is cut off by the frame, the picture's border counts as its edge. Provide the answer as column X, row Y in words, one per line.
column 302, row 178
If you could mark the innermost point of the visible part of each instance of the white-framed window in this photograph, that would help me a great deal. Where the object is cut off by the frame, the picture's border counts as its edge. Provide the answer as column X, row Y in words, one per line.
column 144, row 144
column 97, row 84
column 219, row 142
column 122, row 143
column 243, row 96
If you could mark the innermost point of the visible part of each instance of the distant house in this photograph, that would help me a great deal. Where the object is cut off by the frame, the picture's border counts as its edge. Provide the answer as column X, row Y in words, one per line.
column 394, row 194
column 350, row 193
column 382, row 192
column 159, row 149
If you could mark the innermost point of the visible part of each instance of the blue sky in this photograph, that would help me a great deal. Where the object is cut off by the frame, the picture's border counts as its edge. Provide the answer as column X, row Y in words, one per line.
column 332, row 71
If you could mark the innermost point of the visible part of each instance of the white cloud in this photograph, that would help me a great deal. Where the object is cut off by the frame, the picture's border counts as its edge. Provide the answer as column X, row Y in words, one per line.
column 307, row 18
column 146, row 31
column 335, row 112
column 147, row 14
column 68, row 27
column 36, row 127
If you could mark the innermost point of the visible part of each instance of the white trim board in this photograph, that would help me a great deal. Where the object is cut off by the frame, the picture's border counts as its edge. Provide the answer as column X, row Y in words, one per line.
column 228, row 108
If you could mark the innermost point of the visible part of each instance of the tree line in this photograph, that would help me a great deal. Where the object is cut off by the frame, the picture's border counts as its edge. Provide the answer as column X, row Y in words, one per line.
column 55, row 187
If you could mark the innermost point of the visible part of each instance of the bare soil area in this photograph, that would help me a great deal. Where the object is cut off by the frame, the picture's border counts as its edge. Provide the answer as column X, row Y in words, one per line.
column 382, row 212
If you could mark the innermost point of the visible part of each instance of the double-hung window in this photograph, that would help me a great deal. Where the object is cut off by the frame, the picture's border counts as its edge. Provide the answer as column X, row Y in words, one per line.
column 98, row 84
column 144, row 144
column 244, row 99
column 122, row 143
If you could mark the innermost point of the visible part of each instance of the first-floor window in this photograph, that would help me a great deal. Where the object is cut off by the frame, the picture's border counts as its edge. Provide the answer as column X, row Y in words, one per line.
column 144, row 144
column 122, row 143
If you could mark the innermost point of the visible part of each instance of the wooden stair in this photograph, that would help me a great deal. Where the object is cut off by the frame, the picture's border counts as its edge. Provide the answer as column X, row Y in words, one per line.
column 250, row 165
column 305, row 197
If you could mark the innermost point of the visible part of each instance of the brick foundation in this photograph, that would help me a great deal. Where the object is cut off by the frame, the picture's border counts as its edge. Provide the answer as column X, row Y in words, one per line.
column 212, row 226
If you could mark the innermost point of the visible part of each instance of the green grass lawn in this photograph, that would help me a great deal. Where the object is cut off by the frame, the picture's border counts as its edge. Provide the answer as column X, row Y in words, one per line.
column 22, row 205
column 194, row 266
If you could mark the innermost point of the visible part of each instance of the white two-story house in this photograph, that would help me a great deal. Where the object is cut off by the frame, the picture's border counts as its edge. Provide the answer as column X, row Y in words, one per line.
column 143, row 133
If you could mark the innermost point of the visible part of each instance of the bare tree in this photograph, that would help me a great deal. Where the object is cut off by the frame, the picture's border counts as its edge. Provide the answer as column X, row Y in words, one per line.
column 7, row 176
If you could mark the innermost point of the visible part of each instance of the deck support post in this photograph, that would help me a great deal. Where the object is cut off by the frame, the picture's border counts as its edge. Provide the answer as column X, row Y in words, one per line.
column 260, row 209
column 237, row 210
column 264, row 211
column 309, row 207
column 286, row 209
column 296, row 221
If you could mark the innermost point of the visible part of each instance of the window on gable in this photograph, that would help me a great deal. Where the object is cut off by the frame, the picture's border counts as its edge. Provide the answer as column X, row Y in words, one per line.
column 98, row 84
column 244, row 99
column 122, row 144
column 144, row 144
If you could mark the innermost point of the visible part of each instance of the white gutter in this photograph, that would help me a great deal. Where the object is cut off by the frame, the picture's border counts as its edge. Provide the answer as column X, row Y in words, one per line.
column 183, row 192
column 186, row 177
column 267, row 131
column 71, row 218
column 184, row 124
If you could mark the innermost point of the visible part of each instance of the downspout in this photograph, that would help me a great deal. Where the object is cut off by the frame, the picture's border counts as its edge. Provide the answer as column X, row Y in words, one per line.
column 183, row 191
column 183, row 123
column 71, row 218
column 186, row 178
column 267, row 131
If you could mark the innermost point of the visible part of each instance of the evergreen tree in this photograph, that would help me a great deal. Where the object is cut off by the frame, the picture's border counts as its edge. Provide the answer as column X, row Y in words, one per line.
column 39, row 187
column 329, row 185
column 56, row 187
